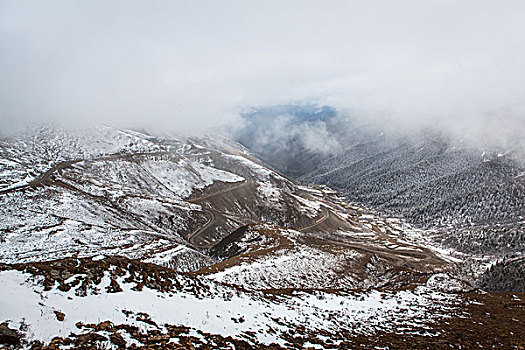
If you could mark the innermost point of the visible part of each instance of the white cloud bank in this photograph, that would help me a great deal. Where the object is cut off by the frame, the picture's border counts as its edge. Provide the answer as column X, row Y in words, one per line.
column 193, row 64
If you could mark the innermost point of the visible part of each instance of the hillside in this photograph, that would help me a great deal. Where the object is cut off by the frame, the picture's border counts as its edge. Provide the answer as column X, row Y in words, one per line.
column 118, row 238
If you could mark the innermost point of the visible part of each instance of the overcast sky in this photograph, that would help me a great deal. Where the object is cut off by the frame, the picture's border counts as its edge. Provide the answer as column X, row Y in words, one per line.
column 186, row 64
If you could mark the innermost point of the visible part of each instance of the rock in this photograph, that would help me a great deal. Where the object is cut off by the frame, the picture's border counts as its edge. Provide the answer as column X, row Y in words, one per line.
column 118, row 340
column 114, row 287
column 8, row 336
column 60, row 315
column 158, row 338
column 56, row 342
column 104, row 325
column 91, row 338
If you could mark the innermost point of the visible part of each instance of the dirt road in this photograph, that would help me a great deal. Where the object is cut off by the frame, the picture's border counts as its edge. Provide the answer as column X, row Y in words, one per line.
column 46, row 176
column 325, row 216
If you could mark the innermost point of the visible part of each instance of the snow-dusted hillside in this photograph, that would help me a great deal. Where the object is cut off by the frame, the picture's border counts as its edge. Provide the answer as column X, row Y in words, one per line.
column 111, row 191
column 59, row 299
column 115, row 239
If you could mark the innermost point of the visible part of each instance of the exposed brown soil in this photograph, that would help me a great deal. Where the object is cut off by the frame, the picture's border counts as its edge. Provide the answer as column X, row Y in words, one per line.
column 491, row 321
column 90, row 273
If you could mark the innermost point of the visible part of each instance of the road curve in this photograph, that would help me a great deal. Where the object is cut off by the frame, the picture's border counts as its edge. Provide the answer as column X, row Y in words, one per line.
column 317, row 222
column 197, row 232
column 209, row 212
column 198, row 199
column 402, row 257
column 44, row 177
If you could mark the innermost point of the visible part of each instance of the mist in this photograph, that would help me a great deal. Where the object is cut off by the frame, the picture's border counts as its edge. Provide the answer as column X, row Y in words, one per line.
column 196, row 65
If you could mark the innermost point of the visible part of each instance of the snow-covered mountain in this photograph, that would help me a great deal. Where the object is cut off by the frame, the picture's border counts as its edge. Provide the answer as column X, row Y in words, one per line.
column 116, row 238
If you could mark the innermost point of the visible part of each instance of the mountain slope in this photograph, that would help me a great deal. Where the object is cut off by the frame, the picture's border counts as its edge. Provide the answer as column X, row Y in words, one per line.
column 181, row 241
column 472, row 196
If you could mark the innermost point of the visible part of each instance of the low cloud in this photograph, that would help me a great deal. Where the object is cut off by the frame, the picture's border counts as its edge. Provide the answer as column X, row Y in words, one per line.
column 190, row 65
column 275, row 133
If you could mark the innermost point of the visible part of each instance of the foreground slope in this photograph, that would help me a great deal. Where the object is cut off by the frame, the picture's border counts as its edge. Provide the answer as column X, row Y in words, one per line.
column 118, row 303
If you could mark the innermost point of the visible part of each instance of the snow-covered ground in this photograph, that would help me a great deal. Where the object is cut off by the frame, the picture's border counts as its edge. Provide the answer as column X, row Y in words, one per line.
column 223, row 311
column 185, row 176
column 299, row 267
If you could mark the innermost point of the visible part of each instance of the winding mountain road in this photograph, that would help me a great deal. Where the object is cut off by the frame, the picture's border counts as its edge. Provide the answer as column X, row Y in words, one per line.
column 209, row 212
column 212, row 213
column 416, row 258
column 201, row 198
column 199, row 231
column 45, row 177
column 42, row 178
column 317, row 222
